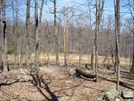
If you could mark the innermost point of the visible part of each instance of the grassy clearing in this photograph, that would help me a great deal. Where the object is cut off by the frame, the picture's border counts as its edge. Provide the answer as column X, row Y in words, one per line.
column 71, row 59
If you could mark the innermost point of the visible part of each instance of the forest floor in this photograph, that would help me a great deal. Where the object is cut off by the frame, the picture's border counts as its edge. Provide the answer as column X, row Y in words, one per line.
column 58, row 84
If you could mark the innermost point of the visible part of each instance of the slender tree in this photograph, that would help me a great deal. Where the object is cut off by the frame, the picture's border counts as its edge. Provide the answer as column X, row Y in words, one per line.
column 65, row 36
column 56, row 35
column 56, row 32
column 99, row 11
column 27, row 32
column 117, row 37
column 36, row 61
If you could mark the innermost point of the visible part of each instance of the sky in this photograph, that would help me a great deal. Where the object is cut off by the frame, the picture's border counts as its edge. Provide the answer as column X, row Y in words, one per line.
column 48, row 7
column 108, row 6
column 63, row 3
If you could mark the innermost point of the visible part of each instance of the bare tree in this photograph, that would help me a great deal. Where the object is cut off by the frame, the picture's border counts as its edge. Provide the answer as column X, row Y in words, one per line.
column 99, row 11
column 65, row 36
column 93, row 49
column 130, row 6
column 5, row 68
column 40, row 18
column 36, row 61
column 27, row 31
column 56, row 35
column 56, row 32
column 117, row 35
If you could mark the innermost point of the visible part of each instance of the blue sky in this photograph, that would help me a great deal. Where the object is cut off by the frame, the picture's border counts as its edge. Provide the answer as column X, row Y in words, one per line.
column 109, row 6
column 108, row 9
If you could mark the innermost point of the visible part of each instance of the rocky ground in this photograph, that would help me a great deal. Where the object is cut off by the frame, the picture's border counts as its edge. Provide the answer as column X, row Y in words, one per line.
column 58, row 84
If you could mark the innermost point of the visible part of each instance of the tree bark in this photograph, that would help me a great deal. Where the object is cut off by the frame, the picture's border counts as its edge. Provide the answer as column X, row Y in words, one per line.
column 93, row 58
column 5, row 68
column 36, row 61
column 99, row 11
column 28, row 32
column 65, row 37
column 117, row 35
column 96, row 41
column 56, row 35
column 1, row 41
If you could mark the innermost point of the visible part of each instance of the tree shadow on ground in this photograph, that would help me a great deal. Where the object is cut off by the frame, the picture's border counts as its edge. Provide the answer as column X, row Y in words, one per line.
column 53, row 97
column 62, row 89
column 8, row 84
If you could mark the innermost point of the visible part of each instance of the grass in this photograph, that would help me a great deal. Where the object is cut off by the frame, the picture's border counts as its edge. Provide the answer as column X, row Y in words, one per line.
column 71, row 59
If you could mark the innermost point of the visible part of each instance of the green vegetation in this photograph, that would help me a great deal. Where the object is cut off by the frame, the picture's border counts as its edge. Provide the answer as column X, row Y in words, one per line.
column 11, row 50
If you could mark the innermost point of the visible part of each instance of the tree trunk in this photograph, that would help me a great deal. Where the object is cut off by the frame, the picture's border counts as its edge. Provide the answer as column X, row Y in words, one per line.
column 36, row 61
column 96, row 42
column 65, row 38
column 28, row 32
column 117, row 35
column 56, row 35
column 5, row 68
column 1, row 41
column 80, row 56
column 99, row 11
column 93, row 58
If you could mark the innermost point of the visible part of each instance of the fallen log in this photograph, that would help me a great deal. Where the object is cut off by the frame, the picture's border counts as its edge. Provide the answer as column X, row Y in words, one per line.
column 84, row 72
column 87, row 73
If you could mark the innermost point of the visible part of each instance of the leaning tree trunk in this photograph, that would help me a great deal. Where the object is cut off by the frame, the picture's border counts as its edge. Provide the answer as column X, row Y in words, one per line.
column 5, row 68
